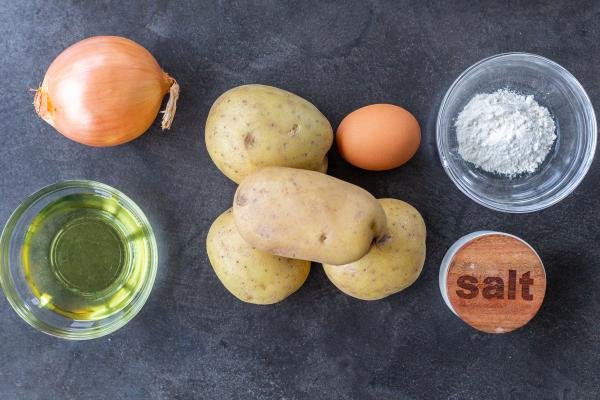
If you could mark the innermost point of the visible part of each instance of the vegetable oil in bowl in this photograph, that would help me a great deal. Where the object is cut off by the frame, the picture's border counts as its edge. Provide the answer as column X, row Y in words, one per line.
column 85, row 256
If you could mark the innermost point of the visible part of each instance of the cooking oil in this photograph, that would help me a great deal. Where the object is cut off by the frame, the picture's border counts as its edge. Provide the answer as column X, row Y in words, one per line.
column 85, row 256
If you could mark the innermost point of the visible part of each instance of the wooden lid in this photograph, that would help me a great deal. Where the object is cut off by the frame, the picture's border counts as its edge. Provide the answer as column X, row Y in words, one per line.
column 495, row 282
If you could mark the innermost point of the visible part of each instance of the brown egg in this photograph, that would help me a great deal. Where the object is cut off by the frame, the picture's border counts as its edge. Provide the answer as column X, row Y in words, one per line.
column 378, row 137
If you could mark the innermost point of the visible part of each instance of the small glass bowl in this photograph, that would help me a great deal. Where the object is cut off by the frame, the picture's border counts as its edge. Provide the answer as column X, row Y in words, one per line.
column 570, row 157
column 12, row 271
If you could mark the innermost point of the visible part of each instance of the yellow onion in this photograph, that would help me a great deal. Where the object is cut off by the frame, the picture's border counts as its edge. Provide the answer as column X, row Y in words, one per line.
column 104, row 91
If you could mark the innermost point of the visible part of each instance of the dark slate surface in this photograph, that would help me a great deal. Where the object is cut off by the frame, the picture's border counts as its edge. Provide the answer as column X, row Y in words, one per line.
column 193, row 339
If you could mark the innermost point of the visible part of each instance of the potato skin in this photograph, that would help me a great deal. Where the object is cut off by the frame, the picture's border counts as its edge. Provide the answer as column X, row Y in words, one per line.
column 249, row 274
column 307, row 215
column 255, row 126
column 391, row 265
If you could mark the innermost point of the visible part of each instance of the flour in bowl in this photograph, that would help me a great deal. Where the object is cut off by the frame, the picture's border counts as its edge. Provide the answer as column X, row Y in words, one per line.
column 505, row 132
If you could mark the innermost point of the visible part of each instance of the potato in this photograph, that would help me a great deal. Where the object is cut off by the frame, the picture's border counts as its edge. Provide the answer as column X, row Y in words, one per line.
column 249, row 274
column 393, row 263
column 307, row 215
column 255, row 126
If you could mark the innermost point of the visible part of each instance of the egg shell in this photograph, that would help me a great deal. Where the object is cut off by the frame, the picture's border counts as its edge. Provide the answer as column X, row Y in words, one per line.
column 378, row 137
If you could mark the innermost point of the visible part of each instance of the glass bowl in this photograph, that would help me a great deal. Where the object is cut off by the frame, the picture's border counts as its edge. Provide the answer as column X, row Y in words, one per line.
column 45, row 233
column 570, row 157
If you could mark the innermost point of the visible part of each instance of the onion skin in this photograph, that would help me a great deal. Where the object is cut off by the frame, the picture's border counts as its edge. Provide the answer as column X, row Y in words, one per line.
column 105, row 91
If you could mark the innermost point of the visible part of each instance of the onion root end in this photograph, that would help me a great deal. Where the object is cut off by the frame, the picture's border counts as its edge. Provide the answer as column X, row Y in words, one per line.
column 42, row 105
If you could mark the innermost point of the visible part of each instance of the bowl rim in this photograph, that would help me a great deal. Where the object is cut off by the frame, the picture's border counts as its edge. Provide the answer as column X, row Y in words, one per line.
column 15, row 300
column 581, row 170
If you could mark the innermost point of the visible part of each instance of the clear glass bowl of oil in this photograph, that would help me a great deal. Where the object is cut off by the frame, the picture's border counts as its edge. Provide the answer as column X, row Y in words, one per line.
column 77, row 259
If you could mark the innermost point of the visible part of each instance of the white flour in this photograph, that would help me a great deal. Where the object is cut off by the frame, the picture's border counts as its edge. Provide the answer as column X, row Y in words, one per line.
column 504, row 132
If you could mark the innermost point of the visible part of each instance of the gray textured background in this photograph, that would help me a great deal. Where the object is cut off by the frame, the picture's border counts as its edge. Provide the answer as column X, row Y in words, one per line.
column 193, row 339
